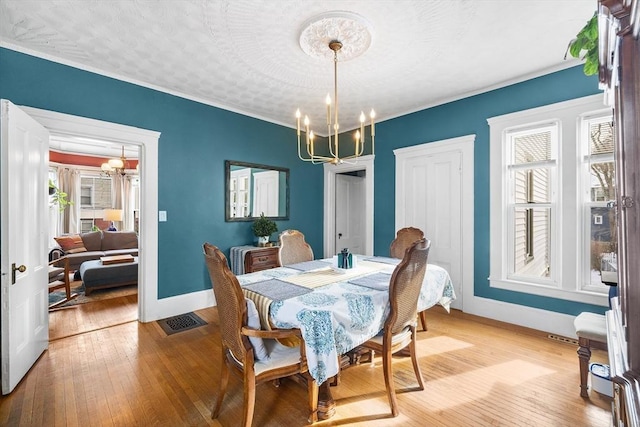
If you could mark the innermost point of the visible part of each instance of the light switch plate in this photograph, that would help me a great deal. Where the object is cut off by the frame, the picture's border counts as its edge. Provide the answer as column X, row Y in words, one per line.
column 162, row 216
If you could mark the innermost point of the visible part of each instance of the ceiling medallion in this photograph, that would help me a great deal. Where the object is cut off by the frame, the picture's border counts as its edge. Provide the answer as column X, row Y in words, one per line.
column 351, row 29
column 336, row 32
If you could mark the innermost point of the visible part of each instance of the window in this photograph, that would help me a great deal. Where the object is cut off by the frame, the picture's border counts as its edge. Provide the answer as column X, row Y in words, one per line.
column 600, row 233
column 95, row 196
column 95, row 192
column 239, row 189
column 551, row 180
column 532, row 165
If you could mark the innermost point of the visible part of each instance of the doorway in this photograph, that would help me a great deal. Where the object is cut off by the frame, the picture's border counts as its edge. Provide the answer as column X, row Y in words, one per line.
column 101, row 200
column 17, row 123
column 147, row 143
column 350, row 206
column 331, row 172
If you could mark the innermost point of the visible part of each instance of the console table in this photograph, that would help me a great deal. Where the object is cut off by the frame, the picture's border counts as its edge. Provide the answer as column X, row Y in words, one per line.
column 249, row 259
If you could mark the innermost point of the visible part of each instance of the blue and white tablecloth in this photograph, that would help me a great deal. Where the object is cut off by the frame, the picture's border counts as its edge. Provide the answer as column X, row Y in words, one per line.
column 338, row 316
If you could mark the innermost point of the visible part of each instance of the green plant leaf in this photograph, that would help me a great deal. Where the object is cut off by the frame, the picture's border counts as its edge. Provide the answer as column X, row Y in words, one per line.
column 587, row 41
column 592, row 63
column 575, row 48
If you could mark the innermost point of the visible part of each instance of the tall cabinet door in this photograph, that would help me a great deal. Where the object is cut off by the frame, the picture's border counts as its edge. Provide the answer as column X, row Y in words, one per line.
column 620, row 74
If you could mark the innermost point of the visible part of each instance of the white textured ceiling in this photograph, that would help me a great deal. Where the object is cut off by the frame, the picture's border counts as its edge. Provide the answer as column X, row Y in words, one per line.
column 245, row 55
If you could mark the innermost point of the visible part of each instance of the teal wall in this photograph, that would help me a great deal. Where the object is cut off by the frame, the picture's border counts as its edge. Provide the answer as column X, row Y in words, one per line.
column 196, row 139
column 464, row 117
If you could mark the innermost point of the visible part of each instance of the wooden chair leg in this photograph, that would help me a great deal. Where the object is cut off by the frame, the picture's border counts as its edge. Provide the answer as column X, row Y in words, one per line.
column 423, row 319
column 249, row 398
column 388, row 382
column 584, row 355
column 414, row 360
column 224, row 381
column 67, row 281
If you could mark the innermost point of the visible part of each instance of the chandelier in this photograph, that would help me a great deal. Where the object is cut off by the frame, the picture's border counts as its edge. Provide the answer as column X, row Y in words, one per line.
column 115, row 166
column 327, row 29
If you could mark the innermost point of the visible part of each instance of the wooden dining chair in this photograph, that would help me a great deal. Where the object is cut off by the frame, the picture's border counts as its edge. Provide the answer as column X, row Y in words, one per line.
column 293, row 248
column 405, row 237
column 59, row 279
column 400, row 326
column 237, row 350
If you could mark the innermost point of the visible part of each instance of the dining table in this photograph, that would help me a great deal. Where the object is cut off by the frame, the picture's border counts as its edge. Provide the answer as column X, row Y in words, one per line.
column 335, row 309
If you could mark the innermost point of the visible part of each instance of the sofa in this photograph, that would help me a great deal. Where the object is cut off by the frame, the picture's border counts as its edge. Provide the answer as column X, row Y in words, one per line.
column 78, row 248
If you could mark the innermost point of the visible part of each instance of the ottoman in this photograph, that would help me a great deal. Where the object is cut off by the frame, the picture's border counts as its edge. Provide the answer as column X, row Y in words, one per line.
column 96, row 275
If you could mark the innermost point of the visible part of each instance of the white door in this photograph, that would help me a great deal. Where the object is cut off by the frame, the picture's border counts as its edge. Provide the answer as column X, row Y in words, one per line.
column 265, row 193
column 24, row 200
column 432, row 194
column 350, row 211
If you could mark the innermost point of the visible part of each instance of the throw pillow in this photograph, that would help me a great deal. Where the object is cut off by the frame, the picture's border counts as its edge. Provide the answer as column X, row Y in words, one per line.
column 259, row 350
column 71, row 244
column 92, row 240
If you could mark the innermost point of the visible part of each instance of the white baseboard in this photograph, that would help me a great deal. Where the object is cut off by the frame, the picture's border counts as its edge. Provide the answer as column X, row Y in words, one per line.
column 180, row 304
column 534, row 318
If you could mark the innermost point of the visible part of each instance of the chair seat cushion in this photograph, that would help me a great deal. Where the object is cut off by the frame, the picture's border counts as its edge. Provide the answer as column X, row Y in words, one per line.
column 279, row 356
column 591, row 326
column 399, row 337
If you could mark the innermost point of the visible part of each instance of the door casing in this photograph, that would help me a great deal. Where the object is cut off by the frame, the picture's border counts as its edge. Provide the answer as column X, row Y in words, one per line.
column 330, row 171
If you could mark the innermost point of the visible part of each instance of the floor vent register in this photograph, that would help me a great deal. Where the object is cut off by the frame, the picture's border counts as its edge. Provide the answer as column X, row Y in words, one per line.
column 183, row 322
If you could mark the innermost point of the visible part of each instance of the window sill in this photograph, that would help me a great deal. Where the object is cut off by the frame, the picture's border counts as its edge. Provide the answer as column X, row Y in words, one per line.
column 586, row 297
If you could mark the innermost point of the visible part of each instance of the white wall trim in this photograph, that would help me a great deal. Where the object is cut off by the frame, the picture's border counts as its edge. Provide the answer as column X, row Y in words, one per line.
column 529, row 317
column 149, row 307
column 185, row 303
column 364, row 163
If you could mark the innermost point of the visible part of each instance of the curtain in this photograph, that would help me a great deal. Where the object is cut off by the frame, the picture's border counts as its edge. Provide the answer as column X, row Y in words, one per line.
column 69, row 182
column 128, row 206
column 117, row 191
column 122, row 199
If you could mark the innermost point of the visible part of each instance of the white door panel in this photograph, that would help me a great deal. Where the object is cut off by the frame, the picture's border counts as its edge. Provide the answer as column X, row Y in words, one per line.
column 434, row 181
column 24, row 200
column 429, row 196
column 265, row 193
column 350, row 209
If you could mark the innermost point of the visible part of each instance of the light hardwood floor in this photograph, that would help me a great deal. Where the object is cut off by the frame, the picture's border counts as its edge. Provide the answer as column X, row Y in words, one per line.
column 477, row 373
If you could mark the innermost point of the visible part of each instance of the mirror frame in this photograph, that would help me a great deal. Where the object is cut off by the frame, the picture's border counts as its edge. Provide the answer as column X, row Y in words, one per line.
column 227, row 175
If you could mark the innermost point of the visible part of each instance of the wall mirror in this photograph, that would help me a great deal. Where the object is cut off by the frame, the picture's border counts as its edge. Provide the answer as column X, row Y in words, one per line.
column 251, row 189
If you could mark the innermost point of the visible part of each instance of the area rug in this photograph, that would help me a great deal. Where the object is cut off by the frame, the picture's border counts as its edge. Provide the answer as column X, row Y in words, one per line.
column 96, row 295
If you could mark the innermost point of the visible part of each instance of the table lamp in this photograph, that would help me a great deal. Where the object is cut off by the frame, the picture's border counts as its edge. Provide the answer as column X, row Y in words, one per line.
column 112, row 215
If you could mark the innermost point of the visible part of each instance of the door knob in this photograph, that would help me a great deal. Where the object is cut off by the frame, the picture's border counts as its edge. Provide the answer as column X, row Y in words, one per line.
column 21, row 269
column 339, row 235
